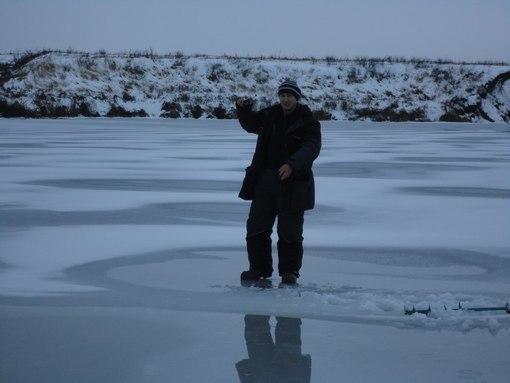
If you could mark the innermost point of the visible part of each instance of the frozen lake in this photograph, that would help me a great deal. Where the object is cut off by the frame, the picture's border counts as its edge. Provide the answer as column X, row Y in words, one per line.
column 121, row 244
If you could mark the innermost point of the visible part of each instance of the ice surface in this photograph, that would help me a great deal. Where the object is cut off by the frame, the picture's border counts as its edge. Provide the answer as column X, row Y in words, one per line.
column 128, row 235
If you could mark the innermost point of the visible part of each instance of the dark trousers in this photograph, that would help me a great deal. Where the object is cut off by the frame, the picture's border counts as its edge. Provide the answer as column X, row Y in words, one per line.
column 267, row 204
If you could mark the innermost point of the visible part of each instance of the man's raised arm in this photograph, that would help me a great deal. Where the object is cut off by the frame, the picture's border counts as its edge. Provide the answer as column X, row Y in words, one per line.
column 250, row 121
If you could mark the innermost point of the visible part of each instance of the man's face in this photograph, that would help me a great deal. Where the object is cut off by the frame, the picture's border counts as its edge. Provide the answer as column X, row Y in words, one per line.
column 288, row 102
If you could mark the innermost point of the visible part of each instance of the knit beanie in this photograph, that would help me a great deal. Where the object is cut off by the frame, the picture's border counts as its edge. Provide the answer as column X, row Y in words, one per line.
column 289, row 86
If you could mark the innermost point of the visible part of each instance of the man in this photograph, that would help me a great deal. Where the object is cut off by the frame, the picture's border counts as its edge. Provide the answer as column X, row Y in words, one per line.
column 279, row 181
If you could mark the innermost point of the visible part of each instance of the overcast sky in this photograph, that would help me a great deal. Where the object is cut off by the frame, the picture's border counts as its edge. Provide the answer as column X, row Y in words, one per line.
column 457, row 29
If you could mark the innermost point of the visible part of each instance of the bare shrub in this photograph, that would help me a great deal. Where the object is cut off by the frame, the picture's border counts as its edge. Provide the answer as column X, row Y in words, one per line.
column 119, row 111
column 171, row 109
column 453, row 117
column 220, row 112
column 330, row 60
column 353, row 76
column 26, row 57
column 329, row 104
column 322, row 115
column 184, row 97
column 80, row 107
column 261, row 77
column 196, row 111
column 217, row 72
column 133, row 69
column 439, row 75
column 87, row 62
column 391, row 113
column 15, row 109
column 179, row 62
column 110, row 64
column 245, row 72
column 126, row 96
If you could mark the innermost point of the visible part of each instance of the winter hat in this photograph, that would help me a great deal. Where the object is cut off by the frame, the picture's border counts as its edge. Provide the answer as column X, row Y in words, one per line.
column 289, row 86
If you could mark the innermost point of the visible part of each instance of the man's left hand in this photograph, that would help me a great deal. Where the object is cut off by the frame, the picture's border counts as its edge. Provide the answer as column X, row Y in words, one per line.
column 285, row 171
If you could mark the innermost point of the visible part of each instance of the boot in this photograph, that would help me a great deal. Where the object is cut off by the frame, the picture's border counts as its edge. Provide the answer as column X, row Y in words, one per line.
column 255, row 278
column 289, row 278
column 253, row 275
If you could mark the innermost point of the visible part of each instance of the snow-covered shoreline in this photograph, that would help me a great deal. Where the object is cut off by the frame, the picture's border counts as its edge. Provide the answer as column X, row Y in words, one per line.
column 61, row 84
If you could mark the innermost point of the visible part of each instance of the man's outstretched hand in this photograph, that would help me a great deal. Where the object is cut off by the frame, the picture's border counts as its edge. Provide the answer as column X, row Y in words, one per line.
column 285, row 171
column 243, row 101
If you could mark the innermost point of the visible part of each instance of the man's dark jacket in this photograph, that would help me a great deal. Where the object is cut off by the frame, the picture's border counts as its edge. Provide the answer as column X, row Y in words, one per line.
column 301, row 146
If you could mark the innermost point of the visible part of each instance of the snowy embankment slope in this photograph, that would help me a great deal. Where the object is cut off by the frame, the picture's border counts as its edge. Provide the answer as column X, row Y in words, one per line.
column 70, row 84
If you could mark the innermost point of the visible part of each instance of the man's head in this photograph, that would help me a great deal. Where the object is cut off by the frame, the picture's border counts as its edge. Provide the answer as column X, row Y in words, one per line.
column 289, row 94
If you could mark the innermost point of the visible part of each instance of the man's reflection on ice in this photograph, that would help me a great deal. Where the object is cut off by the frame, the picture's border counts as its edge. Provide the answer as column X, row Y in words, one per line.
column 280, row 361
